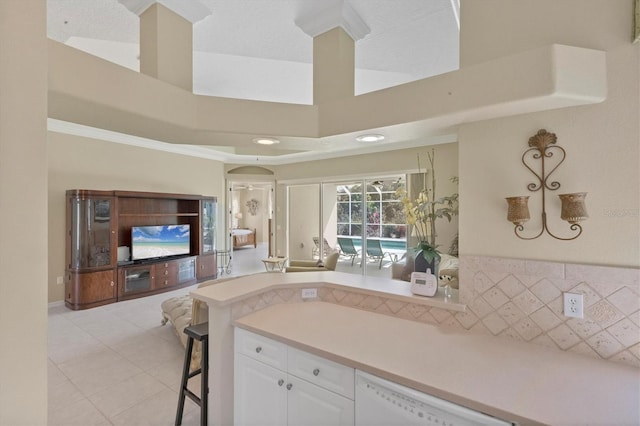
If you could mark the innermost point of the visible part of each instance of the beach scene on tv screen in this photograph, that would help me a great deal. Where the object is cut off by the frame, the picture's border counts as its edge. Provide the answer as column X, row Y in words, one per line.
column 159, row 241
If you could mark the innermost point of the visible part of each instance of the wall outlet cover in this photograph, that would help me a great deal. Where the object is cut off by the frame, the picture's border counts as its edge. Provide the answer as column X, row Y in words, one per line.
column 574, row 305
column 308, row 293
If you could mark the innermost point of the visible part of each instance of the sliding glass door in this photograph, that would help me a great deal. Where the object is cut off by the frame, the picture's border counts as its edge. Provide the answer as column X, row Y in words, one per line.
column 346, row 199
column 365, row 222
column 361, row 220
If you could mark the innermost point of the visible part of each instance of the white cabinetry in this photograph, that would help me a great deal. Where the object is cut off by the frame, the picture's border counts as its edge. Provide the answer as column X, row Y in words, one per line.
column 258, row 397
column 279, row 385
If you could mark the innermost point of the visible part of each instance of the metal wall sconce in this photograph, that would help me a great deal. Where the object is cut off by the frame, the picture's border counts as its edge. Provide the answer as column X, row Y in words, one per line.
column 542, row 146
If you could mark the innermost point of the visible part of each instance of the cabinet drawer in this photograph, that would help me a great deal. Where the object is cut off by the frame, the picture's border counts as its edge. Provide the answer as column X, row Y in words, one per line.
column 261, row 348
column 322, row 372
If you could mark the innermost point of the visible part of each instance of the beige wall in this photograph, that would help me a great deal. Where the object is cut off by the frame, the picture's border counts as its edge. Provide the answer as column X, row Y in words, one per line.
column 303, row 219
column 381, row 163
column 81, row 163
column 602, row 141
column 492, row 29
column 23, row 213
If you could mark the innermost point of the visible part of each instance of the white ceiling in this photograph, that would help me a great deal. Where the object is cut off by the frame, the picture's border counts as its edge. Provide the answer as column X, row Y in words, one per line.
column 253, row 49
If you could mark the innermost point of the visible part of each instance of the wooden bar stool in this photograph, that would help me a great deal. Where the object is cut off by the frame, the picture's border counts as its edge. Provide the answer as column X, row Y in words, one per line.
column 199, row 332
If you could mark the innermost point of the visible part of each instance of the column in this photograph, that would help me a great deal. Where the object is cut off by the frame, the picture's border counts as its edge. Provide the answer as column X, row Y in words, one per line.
column 23, row 212
column 166, row 46
column 333, row 66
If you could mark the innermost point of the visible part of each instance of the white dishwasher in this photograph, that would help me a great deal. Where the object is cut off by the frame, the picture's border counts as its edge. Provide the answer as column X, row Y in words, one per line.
column 380, row 402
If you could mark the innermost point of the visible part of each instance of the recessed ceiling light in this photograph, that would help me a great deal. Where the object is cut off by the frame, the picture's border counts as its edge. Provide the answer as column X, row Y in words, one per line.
column 266, row 141
column 370, row 138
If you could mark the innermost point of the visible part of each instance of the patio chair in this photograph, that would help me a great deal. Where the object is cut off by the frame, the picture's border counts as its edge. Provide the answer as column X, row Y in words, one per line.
column 315, row 252
column 375, row 252
column 347, row 249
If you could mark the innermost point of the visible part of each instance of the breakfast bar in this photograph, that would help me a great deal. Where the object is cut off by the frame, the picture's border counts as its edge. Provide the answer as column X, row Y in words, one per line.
column 515, row 381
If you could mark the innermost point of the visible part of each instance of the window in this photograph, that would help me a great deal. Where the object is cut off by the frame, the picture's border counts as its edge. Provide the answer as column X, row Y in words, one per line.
column 385, row 216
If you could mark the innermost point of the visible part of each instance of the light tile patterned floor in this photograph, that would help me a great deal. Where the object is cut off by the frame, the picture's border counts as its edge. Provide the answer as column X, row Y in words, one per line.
column 116, row 365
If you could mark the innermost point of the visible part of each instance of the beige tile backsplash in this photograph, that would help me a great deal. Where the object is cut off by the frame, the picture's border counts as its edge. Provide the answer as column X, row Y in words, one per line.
column 522, row 299
column 516, row 299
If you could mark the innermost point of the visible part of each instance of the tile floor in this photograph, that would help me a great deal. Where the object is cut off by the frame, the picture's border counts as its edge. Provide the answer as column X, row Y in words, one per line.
column 116, row 365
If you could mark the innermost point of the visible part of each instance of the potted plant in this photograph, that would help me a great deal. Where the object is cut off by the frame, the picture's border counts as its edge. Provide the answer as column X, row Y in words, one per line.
column 423, row 213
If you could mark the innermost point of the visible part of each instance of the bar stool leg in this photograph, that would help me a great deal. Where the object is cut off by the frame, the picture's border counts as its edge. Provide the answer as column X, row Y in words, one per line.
column 204, row 385
column 185, row 379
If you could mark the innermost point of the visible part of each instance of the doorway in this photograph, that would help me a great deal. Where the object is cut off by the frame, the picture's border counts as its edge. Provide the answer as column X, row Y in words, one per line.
column 251, row 208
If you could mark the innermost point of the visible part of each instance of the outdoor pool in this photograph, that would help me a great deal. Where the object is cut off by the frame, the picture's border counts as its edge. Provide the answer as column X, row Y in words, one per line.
column 387, row 244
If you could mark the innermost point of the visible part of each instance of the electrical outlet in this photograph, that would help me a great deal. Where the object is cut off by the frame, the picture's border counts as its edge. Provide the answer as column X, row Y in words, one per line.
column 574, row 305
column 308, row 293
column 59, row 281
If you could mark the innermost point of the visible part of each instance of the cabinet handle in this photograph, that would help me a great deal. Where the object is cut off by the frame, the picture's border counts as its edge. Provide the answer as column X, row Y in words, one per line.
column 280, row 382
column 289, row 386
column 111, row 283
column 316, row 372
column 259, row 349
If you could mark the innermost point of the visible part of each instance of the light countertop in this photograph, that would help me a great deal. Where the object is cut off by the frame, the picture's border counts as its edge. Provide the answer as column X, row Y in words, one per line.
column 236, row 289
column 512, row 380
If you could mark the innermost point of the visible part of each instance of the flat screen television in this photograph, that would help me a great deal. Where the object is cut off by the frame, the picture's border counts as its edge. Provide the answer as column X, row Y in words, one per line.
column 152, row 242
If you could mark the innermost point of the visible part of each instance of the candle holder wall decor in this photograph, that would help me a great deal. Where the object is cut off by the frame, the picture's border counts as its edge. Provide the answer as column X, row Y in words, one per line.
column 543, row 146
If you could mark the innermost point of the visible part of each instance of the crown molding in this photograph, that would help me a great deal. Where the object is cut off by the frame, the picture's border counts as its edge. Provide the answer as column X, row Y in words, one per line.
column 192, row 10
column 341, row 15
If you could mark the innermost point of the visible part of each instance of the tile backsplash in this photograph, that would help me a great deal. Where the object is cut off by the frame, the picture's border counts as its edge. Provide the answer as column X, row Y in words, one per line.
column 515, row 299
column 523, row 299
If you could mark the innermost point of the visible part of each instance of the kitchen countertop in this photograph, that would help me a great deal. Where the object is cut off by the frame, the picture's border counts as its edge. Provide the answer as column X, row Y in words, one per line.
column 236, row 289
column 508, row 379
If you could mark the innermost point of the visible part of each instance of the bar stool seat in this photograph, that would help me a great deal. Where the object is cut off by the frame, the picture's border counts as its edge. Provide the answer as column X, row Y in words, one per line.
column 199, row 332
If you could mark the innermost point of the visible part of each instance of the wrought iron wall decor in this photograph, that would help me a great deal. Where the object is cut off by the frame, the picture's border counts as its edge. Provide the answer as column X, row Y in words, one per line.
column 543, row 146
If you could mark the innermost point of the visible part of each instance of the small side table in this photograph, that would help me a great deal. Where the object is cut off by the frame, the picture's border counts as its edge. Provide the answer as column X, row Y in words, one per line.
column 271, row 263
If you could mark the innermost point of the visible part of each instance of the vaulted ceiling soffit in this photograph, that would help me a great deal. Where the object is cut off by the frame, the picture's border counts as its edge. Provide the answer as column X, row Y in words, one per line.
column 339, row 14
column 192, row 10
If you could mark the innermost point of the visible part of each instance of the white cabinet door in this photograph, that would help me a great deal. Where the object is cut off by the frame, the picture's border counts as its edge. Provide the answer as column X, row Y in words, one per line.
column 260, row 394
column 311, row 405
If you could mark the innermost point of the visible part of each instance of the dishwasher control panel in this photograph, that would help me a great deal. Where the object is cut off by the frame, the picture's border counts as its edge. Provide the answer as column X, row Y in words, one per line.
column 381, row 402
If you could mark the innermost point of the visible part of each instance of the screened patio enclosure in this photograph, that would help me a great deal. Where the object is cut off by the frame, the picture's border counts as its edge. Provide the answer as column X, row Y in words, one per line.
column 366, row 212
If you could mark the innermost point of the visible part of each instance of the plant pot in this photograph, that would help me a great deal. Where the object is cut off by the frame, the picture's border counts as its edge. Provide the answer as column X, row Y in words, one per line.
column 421, row 264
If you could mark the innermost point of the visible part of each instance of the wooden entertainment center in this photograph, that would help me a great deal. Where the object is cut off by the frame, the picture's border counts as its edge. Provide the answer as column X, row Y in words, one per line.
column 99, row 226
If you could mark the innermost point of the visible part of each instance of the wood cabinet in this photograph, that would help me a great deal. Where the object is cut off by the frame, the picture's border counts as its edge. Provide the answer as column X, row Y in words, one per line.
column 278, row 385
column 88, row 289
column 206, row 266
column 133, row 280
column 99, row 222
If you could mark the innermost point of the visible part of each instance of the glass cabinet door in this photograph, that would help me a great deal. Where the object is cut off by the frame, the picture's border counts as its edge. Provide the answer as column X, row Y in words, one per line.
column 208, row 226
column 90, row 233
column 138, row 279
